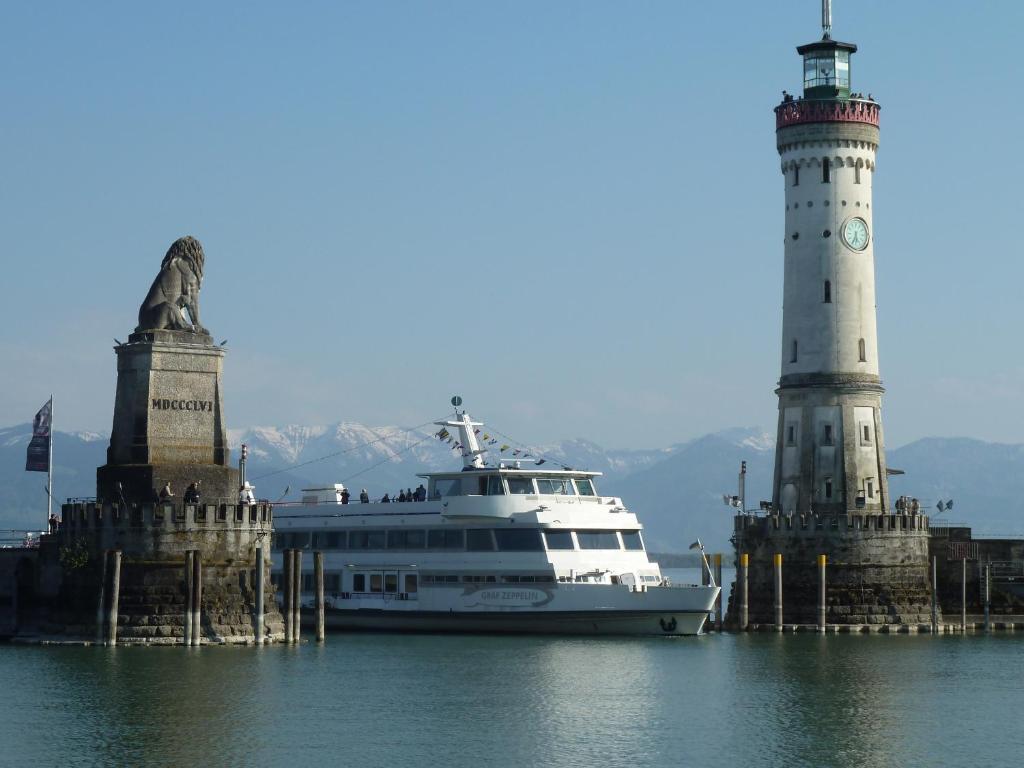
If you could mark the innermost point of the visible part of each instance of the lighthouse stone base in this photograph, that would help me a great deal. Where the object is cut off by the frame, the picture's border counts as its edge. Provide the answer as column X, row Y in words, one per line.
column 877, row 568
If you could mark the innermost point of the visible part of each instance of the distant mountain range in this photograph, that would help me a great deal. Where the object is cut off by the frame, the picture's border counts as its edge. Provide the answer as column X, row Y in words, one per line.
column 677, row 491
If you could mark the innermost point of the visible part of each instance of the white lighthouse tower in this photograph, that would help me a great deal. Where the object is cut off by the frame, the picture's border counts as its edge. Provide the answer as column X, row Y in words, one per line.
column 830, row 456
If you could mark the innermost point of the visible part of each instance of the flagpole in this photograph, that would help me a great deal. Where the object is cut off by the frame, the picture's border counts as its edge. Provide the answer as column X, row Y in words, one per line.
column 49, row 473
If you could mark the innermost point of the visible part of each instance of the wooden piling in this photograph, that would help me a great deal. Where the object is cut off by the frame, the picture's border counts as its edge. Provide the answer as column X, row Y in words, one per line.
column 963, row 595
column 318, row 578
column 718, row 600
column 744, row 594
column 258, row 629
column 777, row 562
column 115, row 588
column 287, row 573
column 187, row 632
column 297, row 596
column 988, row 581
column 101, row 613
column 935, row 596
column 822, row 560
column 197, row 597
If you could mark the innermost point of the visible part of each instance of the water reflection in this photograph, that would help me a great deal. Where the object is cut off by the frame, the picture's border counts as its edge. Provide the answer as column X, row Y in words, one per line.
column 461, row 701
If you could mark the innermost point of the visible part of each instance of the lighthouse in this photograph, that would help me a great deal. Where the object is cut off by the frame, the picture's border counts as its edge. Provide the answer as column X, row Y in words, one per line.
column 830, row 550
column 830, row 453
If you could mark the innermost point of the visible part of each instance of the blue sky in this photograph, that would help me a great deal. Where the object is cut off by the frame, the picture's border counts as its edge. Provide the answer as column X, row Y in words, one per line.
column 569, row 213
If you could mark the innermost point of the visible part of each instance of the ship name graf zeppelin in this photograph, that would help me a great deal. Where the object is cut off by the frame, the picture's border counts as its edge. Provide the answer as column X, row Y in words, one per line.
column 182, row 405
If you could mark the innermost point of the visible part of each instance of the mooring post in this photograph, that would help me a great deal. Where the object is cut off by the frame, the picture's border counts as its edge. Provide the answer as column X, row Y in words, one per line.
column 822, row 560
column 318, row 577
column 963, row 595
column 777, row 560
column 744, row 595
column 297, row 597
column 187, row 636
column 935, row 595
column 101, row 613
column 197, row 597
column 286, row 597
column 115, row 588
column 988, row 579
column 259, row 594
column 718, row 600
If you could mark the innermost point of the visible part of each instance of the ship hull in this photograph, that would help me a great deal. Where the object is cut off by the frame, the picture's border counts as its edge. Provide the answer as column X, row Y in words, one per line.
column 535, row 622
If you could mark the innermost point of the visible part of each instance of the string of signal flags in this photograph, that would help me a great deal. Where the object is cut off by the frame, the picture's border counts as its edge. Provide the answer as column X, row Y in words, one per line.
column 488, row 439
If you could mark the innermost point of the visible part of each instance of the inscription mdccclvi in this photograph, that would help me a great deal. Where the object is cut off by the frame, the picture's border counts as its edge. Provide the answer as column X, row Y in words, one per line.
column 163, row 404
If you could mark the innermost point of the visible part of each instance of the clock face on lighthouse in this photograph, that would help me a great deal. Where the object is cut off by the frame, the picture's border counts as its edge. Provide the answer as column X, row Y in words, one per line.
column 855, row 234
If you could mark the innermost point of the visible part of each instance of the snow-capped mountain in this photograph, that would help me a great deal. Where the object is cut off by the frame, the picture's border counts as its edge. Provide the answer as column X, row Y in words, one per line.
column 677, row 490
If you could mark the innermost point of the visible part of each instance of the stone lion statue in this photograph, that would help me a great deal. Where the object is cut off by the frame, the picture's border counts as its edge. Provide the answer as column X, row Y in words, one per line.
column 176, row 288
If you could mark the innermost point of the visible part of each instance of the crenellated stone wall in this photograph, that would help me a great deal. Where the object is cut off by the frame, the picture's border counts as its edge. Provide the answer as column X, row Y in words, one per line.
column 877, row 568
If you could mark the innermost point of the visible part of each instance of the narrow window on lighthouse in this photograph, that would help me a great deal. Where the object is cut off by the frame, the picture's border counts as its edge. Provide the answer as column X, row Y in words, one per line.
column 871, row 487
column 828, row 291
column 867, row 435
column 826, row 171
column 828, row 435
column 828, row 487
column 792, row 357
column 856, row 173
column 863, row 351
column 796, row 176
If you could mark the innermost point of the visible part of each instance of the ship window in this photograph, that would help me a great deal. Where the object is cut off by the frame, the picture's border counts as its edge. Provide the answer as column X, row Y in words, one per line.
column 366, row 540
column 479, row 540
column 520, row 485
column 442, row 539
column 447, row 486
column 336, row 540
column 554, row 486
column 359, row 582
column 410, row 583
column 518, row 540
column 598, row 539
column 391, row 582
column 631, row 540
column 559, row 539
column 585, row 487
column 400, row 539
column 494, row 486
column 332, row 582
column 376, row 582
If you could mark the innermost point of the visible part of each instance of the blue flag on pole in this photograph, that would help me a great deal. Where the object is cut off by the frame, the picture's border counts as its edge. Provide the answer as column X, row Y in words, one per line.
column 38, row 458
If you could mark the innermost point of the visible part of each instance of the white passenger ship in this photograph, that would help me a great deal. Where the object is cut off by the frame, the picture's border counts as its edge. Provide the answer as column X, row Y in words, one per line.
column 504, row 549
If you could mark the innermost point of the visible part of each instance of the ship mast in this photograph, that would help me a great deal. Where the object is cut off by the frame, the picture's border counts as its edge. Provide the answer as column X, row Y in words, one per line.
column 472, row 453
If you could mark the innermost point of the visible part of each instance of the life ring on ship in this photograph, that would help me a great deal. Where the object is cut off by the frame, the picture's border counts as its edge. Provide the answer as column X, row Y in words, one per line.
column 668, row 626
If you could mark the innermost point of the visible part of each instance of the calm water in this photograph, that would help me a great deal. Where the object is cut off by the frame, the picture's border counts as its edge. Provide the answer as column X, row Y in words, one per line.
column 425, row 700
